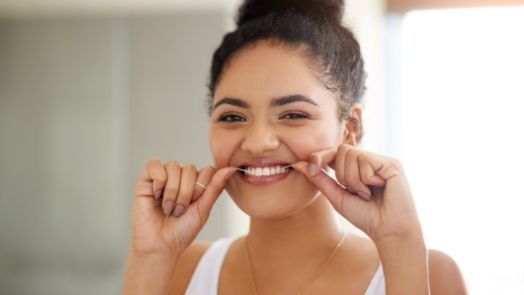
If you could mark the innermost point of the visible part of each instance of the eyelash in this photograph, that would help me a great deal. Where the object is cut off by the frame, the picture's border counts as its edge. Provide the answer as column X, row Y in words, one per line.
column 233, row 118
column 296, row 116
column 227, row 118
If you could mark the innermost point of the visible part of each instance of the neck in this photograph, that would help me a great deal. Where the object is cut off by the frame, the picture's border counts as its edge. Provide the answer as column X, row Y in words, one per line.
column 308, row 233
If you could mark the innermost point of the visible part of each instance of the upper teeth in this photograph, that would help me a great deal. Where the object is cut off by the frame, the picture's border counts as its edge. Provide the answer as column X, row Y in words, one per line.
column 266, row 171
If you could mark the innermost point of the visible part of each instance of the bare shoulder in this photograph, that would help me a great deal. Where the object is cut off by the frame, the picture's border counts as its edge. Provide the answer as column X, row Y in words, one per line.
column 186, row 266
column 444, row 275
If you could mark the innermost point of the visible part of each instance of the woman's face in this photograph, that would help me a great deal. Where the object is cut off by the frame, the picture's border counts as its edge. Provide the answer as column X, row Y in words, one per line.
column 269, row 110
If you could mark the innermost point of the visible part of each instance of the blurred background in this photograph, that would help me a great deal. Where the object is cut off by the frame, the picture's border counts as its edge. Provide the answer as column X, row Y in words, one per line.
column 90, row 90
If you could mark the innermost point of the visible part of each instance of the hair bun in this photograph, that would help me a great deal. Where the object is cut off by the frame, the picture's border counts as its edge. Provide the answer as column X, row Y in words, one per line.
column 253, row 9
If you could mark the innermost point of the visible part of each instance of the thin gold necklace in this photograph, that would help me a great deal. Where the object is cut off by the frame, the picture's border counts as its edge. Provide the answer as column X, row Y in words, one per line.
column 307, row 282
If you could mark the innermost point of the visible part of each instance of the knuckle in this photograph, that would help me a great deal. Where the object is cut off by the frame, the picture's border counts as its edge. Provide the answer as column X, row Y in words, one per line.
column 396, row 163
column 353, row 152
column 341, row 148
column 211, row 169
column 153, row 161
column 172, row 164
column 154, row 166
column 205, row 171
column 190, row 168
column 159, row 177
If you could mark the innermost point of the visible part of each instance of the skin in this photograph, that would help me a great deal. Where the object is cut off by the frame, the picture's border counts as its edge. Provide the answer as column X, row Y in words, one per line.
column 293, row 222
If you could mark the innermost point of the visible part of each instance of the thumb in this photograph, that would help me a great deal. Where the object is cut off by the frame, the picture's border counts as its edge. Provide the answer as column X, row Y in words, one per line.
column 213, row 190
column 322, row 158
column 338, row 196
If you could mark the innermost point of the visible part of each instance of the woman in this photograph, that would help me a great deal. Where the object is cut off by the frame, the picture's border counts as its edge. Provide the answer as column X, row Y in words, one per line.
column 286, row 122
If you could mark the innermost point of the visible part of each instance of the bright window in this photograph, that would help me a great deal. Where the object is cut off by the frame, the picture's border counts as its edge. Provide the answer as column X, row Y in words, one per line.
column 461, row 139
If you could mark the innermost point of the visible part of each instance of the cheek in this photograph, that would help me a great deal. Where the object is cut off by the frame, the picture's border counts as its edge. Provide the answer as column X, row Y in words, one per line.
column 223, row 145
column 304, row 142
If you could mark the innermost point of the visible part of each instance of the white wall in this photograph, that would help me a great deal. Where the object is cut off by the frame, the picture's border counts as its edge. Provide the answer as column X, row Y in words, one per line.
column 84, row 102
column 32, row 8
column 57, row 210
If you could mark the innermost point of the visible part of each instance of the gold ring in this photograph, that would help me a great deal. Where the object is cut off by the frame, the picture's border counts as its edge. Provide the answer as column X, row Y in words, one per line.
column 203, row 186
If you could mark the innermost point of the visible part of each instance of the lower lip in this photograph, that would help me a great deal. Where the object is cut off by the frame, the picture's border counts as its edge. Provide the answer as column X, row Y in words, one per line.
column 264, row 180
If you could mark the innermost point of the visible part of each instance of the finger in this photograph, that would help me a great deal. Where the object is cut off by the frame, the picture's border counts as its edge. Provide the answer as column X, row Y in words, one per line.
column 367, row 173
column 342, row 200
column 340, row 165
column 213, row 190
column 144, row 185
column 320, row 159
column 158, row 175
column 386, row 168
column 174, row 172
column 203, row 179
column 353, row 175
column 187, row 186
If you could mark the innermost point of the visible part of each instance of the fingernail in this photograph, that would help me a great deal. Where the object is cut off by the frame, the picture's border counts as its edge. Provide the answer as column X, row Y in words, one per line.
column 179, row 209
column 364, row 195
column 351, row 190
column 168, row 208
column 312, row 169
column 158, row 194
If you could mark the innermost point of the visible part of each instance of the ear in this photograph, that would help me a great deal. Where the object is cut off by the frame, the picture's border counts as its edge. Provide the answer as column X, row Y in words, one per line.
column 353, row 130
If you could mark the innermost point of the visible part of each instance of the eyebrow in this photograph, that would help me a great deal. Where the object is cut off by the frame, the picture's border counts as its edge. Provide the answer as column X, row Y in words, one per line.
column 292, row 98
column 274, row 102
column 232, row 101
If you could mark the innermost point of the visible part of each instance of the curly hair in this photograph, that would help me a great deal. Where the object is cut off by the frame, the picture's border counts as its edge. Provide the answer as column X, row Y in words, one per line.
column 314, row 29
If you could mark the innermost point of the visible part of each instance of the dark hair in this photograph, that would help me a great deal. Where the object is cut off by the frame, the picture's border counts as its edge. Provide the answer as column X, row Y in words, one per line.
column 314, row 29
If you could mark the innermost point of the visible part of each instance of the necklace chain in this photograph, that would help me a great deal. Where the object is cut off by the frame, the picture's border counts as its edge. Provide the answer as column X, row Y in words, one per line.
column 306, row 283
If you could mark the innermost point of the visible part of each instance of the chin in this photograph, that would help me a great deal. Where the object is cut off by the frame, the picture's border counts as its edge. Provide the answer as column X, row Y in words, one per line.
column 274, row 203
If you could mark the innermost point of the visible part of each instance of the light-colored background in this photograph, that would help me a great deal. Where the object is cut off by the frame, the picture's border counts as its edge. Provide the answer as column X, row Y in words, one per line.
column 88, row 93
column 90, row 90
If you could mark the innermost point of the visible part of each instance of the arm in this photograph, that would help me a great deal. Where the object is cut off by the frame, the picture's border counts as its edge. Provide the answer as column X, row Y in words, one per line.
column 149, row 273
column 405, row 264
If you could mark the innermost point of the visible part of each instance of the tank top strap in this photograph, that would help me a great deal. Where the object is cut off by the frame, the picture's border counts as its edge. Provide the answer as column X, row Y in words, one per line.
column 206, row 276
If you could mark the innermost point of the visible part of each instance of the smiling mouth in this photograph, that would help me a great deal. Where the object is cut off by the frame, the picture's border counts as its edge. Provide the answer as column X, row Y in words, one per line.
column 265, row 171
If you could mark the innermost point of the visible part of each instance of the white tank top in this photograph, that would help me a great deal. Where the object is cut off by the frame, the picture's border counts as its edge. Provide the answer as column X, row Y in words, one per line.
column 206, row 276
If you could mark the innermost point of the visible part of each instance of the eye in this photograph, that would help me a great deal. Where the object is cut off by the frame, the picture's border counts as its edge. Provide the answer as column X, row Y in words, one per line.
column 294, row 116
column 231, row 118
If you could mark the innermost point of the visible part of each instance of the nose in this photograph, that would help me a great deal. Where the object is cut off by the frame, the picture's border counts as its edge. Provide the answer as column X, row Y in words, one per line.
column 259, row 139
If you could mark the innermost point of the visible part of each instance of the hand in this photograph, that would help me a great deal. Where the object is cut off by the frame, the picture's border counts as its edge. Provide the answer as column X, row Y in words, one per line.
column 372, row 191
column 170, row 208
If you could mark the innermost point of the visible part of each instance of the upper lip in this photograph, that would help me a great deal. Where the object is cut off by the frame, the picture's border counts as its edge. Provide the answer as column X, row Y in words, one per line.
column 264, row 163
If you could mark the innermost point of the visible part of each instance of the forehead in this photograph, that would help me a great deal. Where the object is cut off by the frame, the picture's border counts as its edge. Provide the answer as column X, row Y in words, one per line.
column 266, row 70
